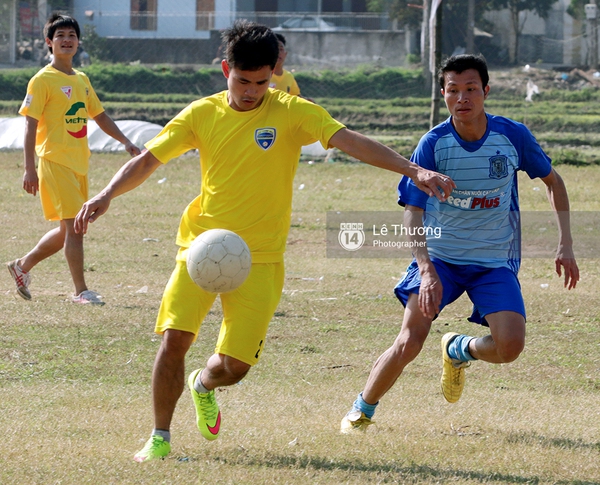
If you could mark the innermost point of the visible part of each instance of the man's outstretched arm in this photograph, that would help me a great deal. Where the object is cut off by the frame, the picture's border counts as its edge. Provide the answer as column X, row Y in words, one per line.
column 132, row 174
column 374, row 153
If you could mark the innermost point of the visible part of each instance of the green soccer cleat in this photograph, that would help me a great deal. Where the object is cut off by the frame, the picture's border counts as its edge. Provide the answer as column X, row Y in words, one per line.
column 156, row 447
column 453, row 372
column 355, row 422
column 208, row 416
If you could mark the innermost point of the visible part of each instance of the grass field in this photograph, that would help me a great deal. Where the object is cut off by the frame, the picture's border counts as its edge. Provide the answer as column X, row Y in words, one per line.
column 75, row 381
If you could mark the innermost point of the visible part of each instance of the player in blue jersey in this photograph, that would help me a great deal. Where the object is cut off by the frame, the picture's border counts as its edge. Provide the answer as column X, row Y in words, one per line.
column 476, row 245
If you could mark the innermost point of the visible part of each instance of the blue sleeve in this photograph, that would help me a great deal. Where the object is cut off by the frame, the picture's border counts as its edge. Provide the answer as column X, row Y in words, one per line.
column 532, row 158
column 408, row 193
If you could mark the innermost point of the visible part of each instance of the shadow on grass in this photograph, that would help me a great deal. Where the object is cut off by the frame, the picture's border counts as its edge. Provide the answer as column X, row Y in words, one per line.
column 409, row 472
column 562, row 443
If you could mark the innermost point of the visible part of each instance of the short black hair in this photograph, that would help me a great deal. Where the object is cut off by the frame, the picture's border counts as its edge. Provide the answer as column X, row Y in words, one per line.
column 460, row 64
column 280, row 38
column 59, row 21
column 250, row 46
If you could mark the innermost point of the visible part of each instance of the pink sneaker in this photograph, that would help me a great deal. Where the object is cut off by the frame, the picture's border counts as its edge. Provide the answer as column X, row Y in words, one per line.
column 88, row 297
column 22, row 279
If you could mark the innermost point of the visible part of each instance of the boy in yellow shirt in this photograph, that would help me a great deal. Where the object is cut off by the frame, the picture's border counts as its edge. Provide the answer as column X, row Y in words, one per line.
column 58, row 103
column 283, row 79
column 249, row 138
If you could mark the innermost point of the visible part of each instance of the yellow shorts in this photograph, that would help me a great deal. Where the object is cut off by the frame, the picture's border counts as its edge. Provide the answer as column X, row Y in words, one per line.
column 247, row 311
column 62, row 191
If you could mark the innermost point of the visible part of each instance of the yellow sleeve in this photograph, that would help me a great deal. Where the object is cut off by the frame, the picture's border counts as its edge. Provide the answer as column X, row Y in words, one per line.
column 294, row 88
column 175, row 139
column 35, row 98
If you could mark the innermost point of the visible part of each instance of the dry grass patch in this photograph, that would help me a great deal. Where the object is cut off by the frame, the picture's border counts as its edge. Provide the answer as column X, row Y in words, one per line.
column 76, row 381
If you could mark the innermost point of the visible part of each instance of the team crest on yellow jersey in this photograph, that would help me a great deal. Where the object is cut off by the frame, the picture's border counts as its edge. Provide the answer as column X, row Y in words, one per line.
column 67, row 90
column 265, row 137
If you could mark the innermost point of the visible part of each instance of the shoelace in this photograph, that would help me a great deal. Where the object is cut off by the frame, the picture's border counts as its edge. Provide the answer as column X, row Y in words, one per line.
column 456, row 374
column 208, row 405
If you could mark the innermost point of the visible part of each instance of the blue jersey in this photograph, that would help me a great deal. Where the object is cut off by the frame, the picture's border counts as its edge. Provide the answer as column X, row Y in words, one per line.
column 479, row 222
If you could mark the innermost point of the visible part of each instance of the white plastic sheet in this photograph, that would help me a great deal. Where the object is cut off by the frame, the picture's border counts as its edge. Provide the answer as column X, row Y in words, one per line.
column 12, row 131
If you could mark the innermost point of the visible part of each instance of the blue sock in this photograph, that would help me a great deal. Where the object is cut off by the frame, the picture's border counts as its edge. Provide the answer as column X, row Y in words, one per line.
column 459, row 348
column 363, row 407
column 165, row 433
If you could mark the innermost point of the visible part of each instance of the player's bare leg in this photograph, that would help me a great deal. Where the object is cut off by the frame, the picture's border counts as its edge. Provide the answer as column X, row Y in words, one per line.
column 223, row 370
column 388, row 367
column 74, row 255
column 406, row 347
column 50, row 243
column 168, row 379
column 168, row 375
column 506, row 340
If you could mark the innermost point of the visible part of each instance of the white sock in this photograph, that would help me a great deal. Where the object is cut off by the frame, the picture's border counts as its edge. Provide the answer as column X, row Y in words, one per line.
column 198, row 386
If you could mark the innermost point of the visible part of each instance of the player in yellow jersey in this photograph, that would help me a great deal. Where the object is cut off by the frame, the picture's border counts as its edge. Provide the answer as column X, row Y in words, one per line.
column 58, row 103
column 283, row 79
column 250, row 138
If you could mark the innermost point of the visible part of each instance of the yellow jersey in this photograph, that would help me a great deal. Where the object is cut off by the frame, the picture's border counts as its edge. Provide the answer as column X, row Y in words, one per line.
column 286, row 83
column 62, row 104
column 248, row 160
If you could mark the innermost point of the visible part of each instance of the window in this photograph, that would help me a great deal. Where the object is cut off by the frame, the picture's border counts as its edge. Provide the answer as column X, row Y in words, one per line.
column 205, row 14
column 143, row 14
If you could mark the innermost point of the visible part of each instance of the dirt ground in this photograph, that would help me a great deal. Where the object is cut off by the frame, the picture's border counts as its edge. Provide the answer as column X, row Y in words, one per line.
column 515, row 80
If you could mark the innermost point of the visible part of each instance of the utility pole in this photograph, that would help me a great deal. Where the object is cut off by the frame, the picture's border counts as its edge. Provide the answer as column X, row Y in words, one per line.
column 12, row 41
column 591, row 15
column 425, row 44
column 471, row 27
column 436, row 60
column 42, row 11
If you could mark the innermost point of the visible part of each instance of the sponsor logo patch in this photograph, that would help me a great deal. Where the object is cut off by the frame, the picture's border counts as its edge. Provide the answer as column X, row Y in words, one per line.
column 77, row 120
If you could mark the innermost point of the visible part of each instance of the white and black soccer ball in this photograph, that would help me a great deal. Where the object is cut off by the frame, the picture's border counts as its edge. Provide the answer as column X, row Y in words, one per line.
column 218, row 260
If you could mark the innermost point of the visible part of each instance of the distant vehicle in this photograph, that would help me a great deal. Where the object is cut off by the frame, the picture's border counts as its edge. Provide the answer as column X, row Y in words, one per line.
column 306, row 22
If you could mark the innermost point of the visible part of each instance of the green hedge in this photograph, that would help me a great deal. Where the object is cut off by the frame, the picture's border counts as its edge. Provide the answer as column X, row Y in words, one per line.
column 363, row 83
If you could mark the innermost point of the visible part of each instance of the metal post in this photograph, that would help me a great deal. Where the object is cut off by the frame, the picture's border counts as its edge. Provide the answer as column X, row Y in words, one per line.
column 471, row 27
column 42, row 11
column 591, row 14
column 425, row 44
column 434, row 118
column 13, row 32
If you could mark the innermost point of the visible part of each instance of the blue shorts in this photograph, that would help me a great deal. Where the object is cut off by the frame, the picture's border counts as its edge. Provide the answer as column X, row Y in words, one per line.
column 490, row 289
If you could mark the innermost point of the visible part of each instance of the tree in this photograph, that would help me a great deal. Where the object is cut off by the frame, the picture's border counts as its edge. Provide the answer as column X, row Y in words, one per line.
column 576, row 9
column 408, row 12
column 405, row 11
column 515, row 7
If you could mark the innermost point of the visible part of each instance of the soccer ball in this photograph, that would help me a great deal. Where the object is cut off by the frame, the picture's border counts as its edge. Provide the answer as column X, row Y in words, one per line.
column 218, row 260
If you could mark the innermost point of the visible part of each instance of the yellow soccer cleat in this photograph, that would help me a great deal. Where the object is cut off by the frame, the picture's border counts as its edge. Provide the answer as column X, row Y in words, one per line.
column 355, row 422
column 208, row 416
column 453, row 372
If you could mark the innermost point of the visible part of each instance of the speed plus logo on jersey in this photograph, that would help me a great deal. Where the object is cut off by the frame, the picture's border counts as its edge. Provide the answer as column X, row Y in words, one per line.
column 474, row 202
column 71, row 118
column 265, row 137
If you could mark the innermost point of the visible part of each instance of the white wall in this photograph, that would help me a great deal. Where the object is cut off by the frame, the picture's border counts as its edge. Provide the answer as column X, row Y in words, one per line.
column 176, row 20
